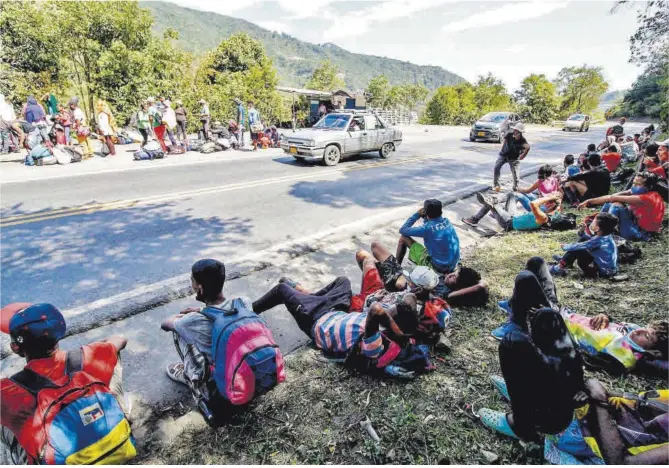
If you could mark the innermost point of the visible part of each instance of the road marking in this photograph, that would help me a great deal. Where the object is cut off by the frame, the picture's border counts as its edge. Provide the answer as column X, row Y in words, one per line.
column 126, row 204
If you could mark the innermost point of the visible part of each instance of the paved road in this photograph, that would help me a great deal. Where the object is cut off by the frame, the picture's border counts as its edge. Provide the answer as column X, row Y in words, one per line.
column 73, row 240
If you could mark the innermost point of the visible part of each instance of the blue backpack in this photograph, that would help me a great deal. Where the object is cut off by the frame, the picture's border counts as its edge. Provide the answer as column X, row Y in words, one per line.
column 247, row 360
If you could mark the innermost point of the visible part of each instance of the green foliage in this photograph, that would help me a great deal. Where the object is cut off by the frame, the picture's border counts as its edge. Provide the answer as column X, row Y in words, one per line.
column 381, row 95
column 490, row 95
column 295, row 60
column 325, row 78
column 580, row 89
column 537, row 99
column 451, row 105
column 377, row 91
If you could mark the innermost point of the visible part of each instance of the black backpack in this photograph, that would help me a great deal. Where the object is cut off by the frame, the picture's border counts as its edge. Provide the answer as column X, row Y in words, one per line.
column 562, row 222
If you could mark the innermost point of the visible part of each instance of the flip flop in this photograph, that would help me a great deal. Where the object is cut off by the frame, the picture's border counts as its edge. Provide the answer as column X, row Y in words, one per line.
column 500, row 385
column 497, row 421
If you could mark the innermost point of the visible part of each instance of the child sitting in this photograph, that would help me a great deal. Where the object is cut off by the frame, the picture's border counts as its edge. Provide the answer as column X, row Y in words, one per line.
column 570, row 168
column 597, row 256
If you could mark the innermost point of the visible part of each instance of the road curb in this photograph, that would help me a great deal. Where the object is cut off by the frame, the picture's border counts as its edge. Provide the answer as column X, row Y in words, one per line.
column 85, row 318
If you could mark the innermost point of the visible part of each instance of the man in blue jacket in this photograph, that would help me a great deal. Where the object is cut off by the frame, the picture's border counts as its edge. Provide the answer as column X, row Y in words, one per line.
column 441, row 251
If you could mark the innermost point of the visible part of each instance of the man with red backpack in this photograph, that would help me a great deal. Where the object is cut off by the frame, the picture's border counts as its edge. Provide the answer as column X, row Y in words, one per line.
column 64, row 407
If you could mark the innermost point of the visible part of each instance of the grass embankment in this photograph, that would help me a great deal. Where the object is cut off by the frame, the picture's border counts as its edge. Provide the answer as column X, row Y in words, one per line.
column 314, row 417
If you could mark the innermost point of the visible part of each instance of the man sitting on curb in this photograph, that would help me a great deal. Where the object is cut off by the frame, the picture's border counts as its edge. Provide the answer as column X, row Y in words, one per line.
column 522, row 222
column 463, row 287
column 441, row 251
column 591, row 183
column 35, row 332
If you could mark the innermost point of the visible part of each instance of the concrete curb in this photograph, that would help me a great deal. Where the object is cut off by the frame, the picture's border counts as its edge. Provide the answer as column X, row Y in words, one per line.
column 103, row 312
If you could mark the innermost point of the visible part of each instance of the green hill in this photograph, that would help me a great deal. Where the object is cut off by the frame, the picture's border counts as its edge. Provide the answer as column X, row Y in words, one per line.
column 295, row 60
column 607, row 100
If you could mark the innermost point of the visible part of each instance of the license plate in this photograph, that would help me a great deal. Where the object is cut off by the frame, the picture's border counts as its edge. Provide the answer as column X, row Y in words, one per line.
column 292, row 150
column 480, row 134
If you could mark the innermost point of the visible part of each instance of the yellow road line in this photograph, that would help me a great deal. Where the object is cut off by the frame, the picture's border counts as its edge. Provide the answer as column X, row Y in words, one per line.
column 125, row 204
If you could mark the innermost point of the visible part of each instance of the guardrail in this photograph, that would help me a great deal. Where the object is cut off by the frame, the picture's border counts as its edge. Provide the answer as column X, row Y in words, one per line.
column 397, row 116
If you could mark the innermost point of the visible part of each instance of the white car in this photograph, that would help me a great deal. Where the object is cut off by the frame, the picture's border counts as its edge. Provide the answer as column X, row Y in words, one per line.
column 580, row 122
column 341, row 134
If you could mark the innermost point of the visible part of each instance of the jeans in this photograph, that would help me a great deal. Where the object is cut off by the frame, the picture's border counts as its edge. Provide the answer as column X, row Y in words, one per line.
column 67, row 134
column 503, row 217
column 627, row 225
column 44, row 131
column 6, row 139
column 305, row 308
column 181, row 130
column 205, row 129
column 513, row 165
column 170, row 135
column 584, row 260
column 524, row 198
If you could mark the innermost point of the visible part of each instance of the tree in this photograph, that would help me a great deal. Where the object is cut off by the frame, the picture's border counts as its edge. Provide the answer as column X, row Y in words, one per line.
column 537, row 99
column 377, row 91
column 451, row 105
column 325, row 78
column 490, row 95
column 650, row 40
column 580, row 88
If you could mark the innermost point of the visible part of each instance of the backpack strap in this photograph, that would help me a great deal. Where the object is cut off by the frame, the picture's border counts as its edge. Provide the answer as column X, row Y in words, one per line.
column 31, row 381
column 74, row 361
column 213, row 312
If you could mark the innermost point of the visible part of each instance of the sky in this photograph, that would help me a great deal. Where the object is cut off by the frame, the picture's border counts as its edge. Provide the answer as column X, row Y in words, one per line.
column 511, row 38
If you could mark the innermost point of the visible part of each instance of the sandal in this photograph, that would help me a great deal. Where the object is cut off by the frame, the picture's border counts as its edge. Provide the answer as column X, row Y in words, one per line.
column 175, row 371
column 501, row 387
column 497, row 421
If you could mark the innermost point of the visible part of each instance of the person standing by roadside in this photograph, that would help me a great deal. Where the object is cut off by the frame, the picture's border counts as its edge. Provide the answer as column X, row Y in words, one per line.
column 161, row 105
column 181, row 116
column 170, row 119
column 50, row 104
column 156, row 118
column 513, row 151
column 143, row 122
column 106, row 126
column 254, row 124
column 204, row 118
column 241, row 121
column 81, row 129
column 35, row 115
column 64, row 118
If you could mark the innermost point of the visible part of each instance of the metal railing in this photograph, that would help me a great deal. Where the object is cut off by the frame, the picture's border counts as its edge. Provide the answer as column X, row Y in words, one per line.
column 397, row 116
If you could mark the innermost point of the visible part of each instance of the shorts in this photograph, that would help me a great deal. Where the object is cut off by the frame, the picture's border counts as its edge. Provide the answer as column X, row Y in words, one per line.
column 390, row 271
column 371, row 282
column 418, row 255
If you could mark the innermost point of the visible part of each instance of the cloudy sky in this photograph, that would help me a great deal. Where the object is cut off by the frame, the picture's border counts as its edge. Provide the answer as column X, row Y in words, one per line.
column 509, row 38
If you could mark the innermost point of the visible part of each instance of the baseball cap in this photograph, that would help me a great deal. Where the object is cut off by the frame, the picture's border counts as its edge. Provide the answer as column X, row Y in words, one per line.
column 150, row 99
column 664, row 143
column 520, row 127
column 37, row 323
column 424, row 277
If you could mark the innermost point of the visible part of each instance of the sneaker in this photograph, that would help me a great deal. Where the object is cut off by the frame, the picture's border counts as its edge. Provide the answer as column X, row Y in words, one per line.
column 175, row 371
column 470, row 222
column 557, row 258
column 504, row 306
column 289, row 282
column 500, row 332
column 483, row 200
column 557, row 271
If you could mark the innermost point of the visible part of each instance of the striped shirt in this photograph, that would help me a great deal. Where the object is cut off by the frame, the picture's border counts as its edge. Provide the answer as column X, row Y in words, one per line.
column 338, row 332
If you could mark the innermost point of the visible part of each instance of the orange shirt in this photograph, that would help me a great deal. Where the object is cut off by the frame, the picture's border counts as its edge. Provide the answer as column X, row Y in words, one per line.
column 650, row 213
column 612, row 160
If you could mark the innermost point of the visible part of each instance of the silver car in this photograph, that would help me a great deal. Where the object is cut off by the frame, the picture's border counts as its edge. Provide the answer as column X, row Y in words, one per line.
column 342, row 134
column 580, row 122
column 493, row 126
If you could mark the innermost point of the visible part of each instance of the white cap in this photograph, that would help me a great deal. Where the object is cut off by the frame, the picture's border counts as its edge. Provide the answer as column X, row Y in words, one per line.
column 520, row 126
column 664, row 143
column 424, row 277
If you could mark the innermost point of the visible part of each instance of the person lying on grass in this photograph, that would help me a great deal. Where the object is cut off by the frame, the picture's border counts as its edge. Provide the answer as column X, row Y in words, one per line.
column 615, row 429
column 462, row 287
column 378, row 338
column 543, row 211
column 639, row 211
column 619, row 347
column 595, row 256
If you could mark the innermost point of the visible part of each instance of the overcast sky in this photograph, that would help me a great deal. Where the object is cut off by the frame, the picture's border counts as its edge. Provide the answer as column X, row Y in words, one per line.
column 509, row 38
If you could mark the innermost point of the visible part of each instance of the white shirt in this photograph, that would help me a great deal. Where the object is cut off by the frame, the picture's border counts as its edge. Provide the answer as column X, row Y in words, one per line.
column 103, row 123
column 79, row 116
column 170, row 118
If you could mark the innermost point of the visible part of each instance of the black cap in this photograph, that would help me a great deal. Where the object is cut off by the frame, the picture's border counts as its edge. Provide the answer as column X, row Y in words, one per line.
column 433, row 208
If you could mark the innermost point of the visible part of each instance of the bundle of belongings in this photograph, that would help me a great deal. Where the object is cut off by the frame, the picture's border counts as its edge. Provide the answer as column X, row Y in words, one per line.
column 151, row 150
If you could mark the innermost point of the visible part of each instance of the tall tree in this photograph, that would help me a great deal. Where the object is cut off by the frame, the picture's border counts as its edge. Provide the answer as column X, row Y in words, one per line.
column 580, row 88
column 377, row 91
column 537, row 99
column 451, row 105
column 325, row 78
column 650, row 40
column 490, row 94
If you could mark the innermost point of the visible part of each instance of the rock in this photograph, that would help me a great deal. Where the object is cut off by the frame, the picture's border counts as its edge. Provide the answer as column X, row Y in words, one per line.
column 391, row 455
column 490, row 457
column 444, row 345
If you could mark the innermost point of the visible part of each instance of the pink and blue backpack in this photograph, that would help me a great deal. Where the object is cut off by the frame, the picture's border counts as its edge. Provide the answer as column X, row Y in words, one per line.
column 247, row 360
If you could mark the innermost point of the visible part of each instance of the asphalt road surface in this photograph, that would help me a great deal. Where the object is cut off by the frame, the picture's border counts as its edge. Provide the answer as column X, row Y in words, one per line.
column 73, row 240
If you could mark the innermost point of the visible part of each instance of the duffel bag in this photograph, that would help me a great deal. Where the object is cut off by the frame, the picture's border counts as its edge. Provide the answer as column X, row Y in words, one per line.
column 224, row 143
column 76, row 152
column 62, row 156
column 141, row 155
column 152, row 146
column 155, row 154
column 208, row 147
column 176, row 149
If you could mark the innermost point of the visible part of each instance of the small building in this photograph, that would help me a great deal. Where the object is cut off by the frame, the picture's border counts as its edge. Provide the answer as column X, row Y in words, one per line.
column 342, row 99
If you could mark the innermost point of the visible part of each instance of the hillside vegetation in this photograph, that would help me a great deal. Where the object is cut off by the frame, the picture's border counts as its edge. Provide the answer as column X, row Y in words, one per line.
column 295, row 60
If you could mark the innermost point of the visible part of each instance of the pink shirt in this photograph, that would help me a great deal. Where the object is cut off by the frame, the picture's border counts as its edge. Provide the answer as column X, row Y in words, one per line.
column 548, row 186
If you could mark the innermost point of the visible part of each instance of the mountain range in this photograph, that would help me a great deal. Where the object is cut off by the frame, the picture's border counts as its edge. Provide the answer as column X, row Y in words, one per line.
column 295, row 60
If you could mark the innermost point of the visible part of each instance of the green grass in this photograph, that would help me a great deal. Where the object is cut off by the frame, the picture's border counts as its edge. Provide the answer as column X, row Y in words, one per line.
column 314, row 417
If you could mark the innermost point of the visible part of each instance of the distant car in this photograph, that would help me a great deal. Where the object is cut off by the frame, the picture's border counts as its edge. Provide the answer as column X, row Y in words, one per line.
column 493, row 126
column 580, row 122
column 342, row 134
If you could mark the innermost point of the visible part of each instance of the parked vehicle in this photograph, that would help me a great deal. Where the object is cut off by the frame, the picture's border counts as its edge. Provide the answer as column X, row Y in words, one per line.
column 493, row 126
column 580, row 122
column 342, row 134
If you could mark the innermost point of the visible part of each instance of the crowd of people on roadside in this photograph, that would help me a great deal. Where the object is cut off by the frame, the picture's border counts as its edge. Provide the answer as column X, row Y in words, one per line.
column 50, row 131
column 228, row 356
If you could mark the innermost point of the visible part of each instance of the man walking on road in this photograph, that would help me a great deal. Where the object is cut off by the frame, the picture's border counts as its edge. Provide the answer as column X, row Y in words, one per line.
column 513, row 151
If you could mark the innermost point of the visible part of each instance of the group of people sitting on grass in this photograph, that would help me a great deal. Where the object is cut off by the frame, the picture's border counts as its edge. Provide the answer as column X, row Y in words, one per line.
column 228, row 356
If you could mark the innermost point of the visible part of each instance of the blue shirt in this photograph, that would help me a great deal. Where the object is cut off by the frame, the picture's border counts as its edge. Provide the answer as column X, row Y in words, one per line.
column 604, row 251
column 525, row 222
column 254, row 116
column 241, row 115
column 572, row 170
column 441, row 241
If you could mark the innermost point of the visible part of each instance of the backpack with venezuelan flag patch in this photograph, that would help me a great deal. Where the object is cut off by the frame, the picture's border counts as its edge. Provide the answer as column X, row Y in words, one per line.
column 77, row 420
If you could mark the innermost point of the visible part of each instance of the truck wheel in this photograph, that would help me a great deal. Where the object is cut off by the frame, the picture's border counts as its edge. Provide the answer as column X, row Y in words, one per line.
column 332, row 155
column 385, row 150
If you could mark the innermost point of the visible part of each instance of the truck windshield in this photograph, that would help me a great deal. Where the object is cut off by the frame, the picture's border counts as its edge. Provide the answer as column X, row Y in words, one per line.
column 333, row 121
